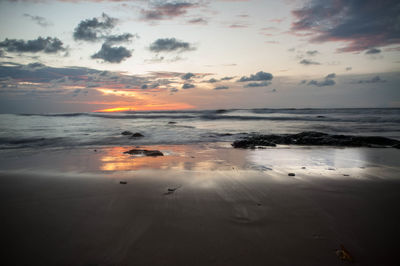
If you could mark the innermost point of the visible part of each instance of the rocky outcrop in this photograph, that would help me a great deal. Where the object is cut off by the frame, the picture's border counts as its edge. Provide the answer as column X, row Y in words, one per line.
column 153, row 153
column 315, row 138
column 137, row 135
column 126, row 133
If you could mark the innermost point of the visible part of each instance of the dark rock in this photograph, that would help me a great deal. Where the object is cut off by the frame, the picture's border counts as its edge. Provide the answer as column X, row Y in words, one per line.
column 314, row 138
column 397, row 146
column 126, row 133
column 123, row 182
column 291, row 174
column 153, row 153
column 320, row 116
column 137, row 135
column 171, row 123
column 145, row 152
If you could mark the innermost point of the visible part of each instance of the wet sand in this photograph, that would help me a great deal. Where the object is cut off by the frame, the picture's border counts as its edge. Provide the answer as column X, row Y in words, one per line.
column 230, row 207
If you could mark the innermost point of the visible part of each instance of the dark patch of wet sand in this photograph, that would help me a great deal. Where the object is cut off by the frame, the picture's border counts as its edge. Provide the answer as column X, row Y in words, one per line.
column 237, row 217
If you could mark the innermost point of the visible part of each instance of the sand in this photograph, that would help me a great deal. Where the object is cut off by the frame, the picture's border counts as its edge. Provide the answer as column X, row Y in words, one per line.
column 229, row 207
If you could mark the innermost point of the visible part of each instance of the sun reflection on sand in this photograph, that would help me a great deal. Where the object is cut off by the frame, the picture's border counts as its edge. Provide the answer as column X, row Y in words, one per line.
column 176, row 157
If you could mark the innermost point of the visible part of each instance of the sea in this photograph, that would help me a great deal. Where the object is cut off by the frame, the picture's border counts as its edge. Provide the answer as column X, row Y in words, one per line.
column 21, row 131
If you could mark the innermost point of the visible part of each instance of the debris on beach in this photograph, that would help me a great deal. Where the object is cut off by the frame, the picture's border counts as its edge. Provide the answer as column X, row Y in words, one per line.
column 171, row 123
column 171, row 190
column 343, row 254
column 153, row 153
column 291, row 174
column 315, row 138
column 303, row 167
column 123, row 182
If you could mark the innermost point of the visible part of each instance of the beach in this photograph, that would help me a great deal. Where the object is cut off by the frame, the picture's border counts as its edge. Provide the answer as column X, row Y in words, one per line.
column 204, row 204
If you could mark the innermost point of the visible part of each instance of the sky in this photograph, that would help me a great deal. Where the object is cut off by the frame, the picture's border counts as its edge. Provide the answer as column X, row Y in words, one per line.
column 119, row 55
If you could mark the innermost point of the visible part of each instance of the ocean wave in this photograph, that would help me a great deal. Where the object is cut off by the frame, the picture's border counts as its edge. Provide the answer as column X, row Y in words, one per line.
column 224, row 116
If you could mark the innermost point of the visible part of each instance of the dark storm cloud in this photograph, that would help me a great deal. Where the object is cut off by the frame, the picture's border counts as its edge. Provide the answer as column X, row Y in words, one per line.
column 259, row 76
column 112, row 54
column 47, row 45
column 258, row 84
column 375, row 79
column 94, row 29
column 198, row 21
column 221, row 88
column 373, row 51
column 308, row 62
column 188, row 86
column 363, row 24
column 170, row 45
column 188, row 76
column 227, row 78
column 41, row 21
column 167, row 10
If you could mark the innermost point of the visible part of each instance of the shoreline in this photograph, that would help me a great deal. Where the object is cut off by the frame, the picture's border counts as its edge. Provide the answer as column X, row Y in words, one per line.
column 225, row 206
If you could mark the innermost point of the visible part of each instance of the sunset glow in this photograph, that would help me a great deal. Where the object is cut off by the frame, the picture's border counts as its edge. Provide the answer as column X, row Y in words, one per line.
column 149, row 107
column 167, row 55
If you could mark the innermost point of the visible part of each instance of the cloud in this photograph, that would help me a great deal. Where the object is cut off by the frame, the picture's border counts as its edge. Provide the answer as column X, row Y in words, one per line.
column 259, row 76
column 227, row 78
column 94, row 29
column 188, row 76
column 326, row 82
column 362, row 24
column 237, row 26
column 37, row 76
column 47, row 45
column 167, row 10
column 170, row 45
column 188, row 86
column 331, row 76
column 373, row 51
column 375, row 79
column 308, row 62
column 201, row 21
column 41, row 21
column 221, row 88
column 122, row 38
column 312, row 52
column 212, row 80
column 112, row 54
column 258, row 84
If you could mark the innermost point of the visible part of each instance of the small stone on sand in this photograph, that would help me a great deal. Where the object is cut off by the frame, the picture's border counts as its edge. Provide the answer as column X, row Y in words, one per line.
column 291, row 174
column 123, row 182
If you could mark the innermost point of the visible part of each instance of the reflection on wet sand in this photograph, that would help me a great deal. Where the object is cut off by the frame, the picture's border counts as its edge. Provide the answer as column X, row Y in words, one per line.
column 176, row 157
